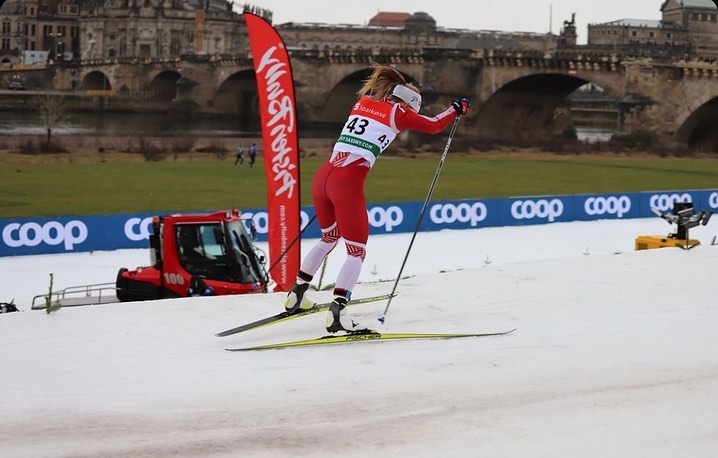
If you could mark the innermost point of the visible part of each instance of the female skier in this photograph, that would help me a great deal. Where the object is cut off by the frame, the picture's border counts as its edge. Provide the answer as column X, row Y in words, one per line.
column 386, row 105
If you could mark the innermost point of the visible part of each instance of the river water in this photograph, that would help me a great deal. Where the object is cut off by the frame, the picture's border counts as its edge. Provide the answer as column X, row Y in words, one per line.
column 160, row 125
column 126, row 125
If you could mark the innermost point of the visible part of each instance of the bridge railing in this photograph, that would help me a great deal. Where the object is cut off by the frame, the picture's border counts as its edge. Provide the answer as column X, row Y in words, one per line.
column 146, row 95
column 129, row 95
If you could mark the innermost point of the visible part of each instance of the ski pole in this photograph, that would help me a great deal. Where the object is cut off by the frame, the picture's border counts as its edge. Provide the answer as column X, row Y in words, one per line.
column 421, row 214
column 292, row 244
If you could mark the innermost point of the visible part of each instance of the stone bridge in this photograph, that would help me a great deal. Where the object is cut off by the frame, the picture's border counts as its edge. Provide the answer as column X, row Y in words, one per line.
column 513, row 93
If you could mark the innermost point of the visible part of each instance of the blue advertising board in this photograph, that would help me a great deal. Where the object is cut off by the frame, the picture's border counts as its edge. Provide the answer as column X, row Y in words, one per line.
column 25, row 236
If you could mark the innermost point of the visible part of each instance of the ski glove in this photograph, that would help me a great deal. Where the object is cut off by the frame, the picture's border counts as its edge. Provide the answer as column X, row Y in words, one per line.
column 461, row 106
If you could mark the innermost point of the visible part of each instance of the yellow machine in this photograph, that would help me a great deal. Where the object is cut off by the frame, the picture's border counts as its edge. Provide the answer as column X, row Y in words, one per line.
column 648, row 242
column 684, row 218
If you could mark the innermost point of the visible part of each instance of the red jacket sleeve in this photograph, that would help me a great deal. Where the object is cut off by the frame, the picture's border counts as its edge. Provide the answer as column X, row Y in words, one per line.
column 408, row 120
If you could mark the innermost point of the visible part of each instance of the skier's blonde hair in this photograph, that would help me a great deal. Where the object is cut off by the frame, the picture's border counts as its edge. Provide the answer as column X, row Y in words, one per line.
column 382, row 81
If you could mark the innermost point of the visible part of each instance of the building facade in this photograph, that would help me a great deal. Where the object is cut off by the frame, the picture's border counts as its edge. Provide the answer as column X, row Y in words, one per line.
column 159, row 29
column 163, row 29
column 108, row 29
column 411, row 31
column 700, row 19
column 27, row 26
column 687, row 28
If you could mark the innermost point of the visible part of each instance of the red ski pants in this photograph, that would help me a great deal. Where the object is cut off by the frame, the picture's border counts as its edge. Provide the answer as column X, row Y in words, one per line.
column 338, row 194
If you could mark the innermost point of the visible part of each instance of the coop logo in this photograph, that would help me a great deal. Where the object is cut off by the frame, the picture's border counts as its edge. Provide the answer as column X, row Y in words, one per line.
column 713, row 200
column 137, row 229
column 530, row 209
column 261, row 221
column 462, row 213
column 388, row 218
column 666, row 201
column 31, row 234
column 613, row 205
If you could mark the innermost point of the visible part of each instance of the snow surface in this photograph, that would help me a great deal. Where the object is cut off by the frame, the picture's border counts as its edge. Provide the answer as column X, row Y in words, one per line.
column 614, row 356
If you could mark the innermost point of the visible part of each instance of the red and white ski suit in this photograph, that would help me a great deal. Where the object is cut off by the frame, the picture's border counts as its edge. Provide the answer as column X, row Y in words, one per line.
column 338, row 186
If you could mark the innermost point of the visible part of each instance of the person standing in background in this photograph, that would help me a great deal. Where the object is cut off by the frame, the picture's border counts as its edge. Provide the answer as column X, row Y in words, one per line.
column 240, row 155
column 252, row 154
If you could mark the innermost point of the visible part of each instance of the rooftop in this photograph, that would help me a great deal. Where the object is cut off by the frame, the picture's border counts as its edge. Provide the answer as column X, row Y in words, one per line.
column 389, row 19
column 649, row 23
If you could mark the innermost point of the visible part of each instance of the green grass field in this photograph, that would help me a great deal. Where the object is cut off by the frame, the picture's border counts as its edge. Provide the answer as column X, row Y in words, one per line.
column 61, row 189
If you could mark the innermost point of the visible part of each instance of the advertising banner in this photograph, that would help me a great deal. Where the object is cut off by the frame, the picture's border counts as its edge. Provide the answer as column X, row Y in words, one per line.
column 277, row 110
column 23, row 236
column 74, row 234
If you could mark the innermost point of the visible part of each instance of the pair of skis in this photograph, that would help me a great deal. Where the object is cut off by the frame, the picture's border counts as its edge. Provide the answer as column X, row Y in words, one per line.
column 359, row 336
column 285, row 316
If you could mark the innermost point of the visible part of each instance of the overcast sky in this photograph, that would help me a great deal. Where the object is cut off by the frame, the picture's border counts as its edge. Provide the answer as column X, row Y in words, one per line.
column 511, row 15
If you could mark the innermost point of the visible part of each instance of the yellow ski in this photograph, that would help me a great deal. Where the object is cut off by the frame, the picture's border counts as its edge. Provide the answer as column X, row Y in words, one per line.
column 369, row 336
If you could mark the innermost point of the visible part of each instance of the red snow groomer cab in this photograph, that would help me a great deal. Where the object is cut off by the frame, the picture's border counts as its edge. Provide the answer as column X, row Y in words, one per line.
column 196, row 255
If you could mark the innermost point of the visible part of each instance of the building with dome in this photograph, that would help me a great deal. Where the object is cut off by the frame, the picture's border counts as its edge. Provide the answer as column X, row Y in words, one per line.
column 408, row 31
column 67, row 30
column 420, row 21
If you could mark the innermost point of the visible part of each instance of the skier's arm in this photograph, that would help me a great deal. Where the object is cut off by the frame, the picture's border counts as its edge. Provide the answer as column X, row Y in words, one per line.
column 408, row 120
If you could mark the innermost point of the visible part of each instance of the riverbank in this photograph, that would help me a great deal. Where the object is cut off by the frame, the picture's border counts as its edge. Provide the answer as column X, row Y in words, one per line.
column 87, row 149
column 32, row 149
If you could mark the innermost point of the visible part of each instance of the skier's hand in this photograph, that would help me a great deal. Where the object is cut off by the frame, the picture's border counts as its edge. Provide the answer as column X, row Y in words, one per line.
column 461, row 106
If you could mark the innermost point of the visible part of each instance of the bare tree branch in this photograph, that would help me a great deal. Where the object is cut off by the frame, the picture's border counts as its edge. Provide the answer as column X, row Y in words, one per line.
column 53, row 111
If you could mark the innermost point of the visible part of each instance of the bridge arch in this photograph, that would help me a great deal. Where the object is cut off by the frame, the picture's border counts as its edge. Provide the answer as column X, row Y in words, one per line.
column 163, row 86
column 497, row 74
column 237, row 95
column 527, row 105
column 697, row 129
column 95, row 80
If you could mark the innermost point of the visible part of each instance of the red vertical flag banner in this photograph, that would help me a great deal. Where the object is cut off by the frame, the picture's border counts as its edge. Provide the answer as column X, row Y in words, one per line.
column 277, row 110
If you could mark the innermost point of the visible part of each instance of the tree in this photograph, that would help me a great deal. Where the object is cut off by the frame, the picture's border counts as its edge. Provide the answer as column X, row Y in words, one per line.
column 53, row 111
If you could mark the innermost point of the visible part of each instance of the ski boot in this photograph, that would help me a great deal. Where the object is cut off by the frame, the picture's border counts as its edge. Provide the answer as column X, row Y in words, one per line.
column 296, row 302
column 339, row 320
